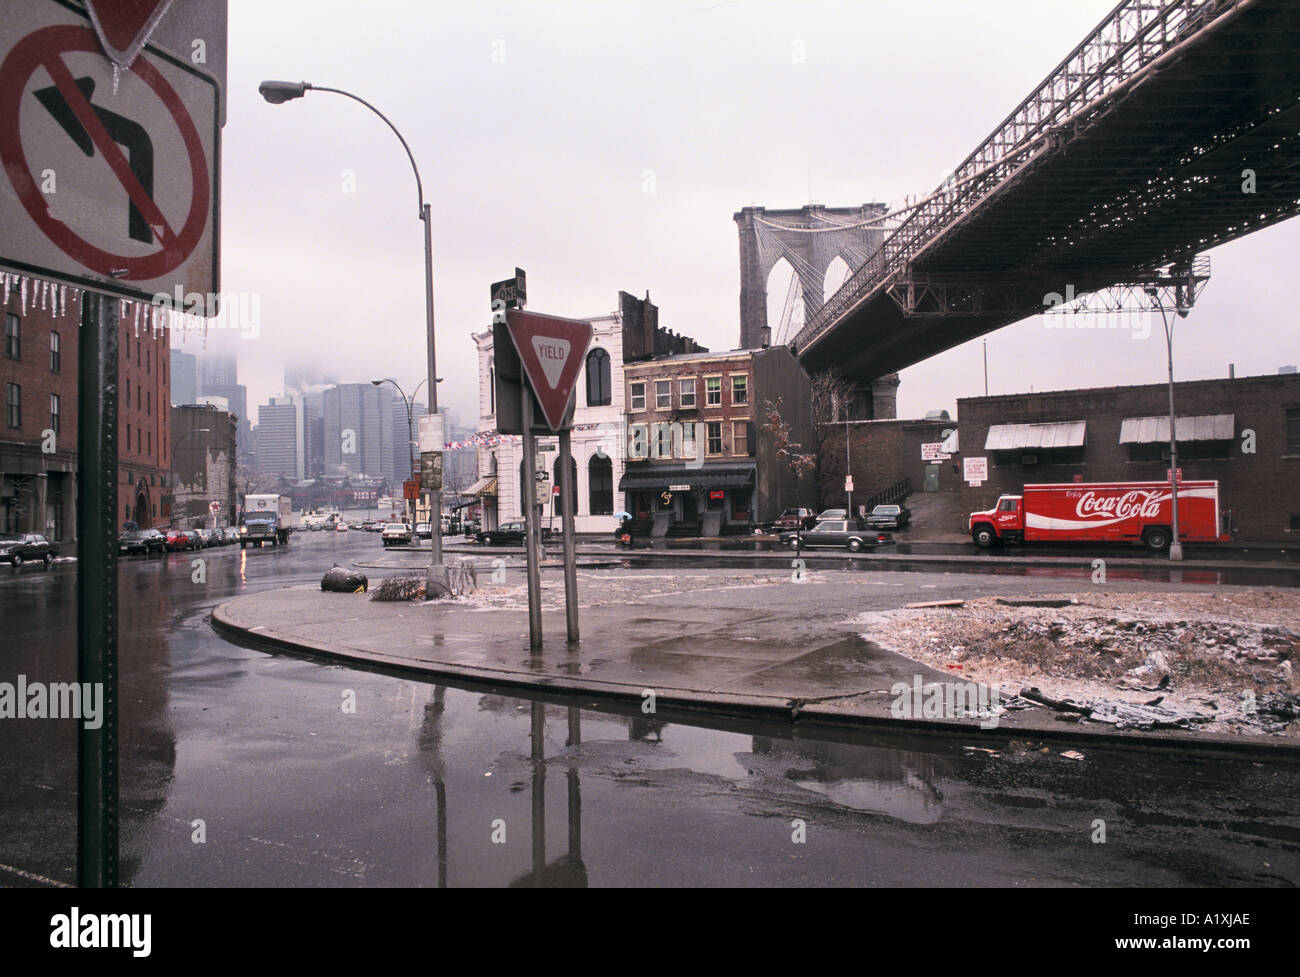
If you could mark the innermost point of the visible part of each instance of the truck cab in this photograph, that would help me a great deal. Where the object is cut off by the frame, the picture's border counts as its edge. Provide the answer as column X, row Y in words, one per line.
column 1005, row 521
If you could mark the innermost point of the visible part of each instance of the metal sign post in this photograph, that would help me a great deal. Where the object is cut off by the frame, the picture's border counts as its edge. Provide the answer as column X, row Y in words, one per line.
column 97, row 588
column 567, row 494
column 532, row 531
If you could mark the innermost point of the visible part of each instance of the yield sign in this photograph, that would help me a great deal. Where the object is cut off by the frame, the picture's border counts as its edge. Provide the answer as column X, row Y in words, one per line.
column 123, row 26
column 551, row 351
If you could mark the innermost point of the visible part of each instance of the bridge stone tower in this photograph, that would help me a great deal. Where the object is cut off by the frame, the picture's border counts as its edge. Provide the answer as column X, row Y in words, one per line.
column 809, row 238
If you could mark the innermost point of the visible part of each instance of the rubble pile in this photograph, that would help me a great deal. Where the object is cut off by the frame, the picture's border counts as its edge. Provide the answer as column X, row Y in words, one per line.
column 1136, row 661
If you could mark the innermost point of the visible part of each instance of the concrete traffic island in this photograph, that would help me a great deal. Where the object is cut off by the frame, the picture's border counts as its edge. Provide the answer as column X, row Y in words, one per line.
column 754, row 644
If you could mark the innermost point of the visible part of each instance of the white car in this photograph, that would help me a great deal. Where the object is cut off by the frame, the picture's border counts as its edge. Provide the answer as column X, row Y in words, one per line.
column 396, row 534
column 341, row 527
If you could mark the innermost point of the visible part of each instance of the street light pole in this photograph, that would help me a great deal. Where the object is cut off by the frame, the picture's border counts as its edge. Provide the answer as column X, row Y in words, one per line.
column 1175, row 546
column 410, row 430
column 277, row 92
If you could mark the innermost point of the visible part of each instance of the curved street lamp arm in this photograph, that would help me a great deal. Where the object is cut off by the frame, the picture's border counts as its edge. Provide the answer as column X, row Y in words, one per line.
column 419, row 184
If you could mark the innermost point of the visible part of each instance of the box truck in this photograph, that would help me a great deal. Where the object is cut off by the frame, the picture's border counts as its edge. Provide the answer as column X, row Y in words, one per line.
column 1103, row 512
column 266, row 520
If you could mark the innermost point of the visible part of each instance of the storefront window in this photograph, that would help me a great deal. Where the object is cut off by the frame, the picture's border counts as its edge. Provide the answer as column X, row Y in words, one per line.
column 740, row 506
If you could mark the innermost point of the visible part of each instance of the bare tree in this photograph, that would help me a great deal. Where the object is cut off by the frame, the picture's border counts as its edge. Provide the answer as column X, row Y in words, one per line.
column 833, row 398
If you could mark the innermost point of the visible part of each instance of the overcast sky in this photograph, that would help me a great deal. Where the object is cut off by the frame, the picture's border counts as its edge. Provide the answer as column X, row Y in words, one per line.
column 605, row 146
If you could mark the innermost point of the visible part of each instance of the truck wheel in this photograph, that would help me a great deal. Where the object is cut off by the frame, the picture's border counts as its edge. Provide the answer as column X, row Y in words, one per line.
column 984, row 537
column 1156, row 538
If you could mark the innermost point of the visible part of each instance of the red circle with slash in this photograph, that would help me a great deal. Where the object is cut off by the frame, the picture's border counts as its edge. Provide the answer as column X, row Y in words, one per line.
column 44, row 49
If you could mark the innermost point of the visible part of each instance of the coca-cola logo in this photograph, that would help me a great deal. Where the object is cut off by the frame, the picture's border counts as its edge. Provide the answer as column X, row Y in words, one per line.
column 1145, row 505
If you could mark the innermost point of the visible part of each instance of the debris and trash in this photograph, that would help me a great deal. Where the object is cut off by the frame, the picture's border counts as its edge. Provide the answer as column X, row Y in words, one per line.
column 340, row 580
column 1221, row 662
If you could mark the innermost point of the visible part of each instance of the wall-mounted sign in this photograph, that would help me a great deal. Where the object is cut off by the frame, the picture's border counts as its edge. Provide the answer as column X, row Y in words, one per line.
column 975, row 470
column 679, row 488
column 717, row 494
column 934, row 452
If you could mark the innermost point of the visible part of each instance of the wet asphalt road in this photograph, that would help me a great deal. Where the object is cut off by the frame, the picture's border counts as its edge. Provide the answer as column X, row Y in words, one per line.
column 415, row 786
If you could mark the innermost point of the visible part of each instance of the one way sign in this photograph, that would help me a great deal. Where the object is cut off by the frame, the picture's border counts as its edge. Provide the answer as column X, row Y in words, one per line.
column 109, row 182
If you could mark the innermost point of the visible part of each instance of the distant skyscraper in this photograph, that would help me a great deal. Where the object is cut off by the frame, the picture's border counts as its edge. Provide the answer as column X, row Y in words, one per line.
column 402, row 450
column 280, row 441
column 217, row 370
column 358, row 430
column 184, row 378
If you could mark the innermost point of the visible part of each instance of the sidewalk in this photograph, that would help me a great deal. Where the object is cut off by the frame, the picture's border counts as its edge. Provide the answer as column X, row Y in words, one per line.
column 745, row 644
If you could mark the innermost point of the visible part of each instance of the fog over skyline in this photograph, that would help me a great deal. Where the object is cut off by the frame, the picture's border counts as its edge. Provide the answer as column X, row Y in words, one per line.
column 606, row 146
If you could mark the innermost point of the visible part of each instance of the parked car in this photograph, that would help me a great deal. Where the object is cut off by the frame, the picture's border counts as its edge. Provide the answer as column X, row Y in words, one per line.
column 176, row 540
column 423, row 531
column 397, row 534
column 143, row 541
column 197, row 542
column 889, row 517
column 341, row 527
column 230, row 535
column 792, row 519
column 852, row 534
column 472, row 528
column 19, row 548
column 832, row 514
column 507, row 533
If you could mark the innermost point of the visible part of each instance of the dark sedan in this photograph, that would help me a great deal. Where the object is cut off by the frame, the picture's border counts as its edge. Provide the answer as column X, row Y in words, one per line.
column 507, row 533
column 143, row 541
column 853, row 535
column 20, row 548
column 889, row 517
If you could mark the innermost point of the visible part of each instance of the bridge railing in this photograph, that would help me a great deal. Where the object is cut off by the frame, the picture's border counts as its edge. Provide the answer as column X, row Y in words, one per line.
column 1131, row 37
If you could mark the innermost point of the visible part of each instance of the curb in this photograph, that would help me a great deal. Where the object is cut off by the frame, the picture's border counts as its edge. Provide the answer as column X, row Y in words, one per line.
column 785, row 710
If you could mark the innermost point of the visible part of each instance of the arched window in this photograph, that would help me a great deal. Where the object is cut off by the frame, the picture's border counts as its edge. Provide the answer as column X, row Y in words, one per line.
column 600, row 485
column 598, row 378
column 492, row 386
column 573, row 486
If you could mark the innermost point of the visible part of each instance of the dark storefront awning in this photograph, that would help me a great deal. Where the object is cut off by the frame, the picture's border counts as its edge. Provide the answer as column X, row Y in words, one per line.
column 656, row 479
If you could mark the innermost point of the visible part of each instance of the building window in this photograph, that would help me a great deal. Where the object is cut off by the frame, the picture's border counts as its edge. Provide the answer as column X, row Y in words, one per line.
column 148, row 436
column 54, row 413
column 148, row 403
column 148, row 366
column 663, row 395
column 662, row 445
column 1295, row 524
column 55, row 350
column 714, row 433
column 1293, row 431
column 13, row 335
column 128, row 392
column 740, row 390
column 638, row 435
column 14, row 398
column 688, row 439
column 492, row 387
column 128, row 441
column 686, row 389
column 636, row 396
column 598, row 385
column 713, row 391
column 740, row 438
column 600, row 485
column 137, row 396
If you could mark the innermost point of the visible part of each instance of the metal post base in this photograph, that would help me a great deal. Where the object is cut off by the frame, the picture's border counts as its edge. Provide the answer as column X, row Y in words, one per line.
column 1175, row 551
column 437, row 582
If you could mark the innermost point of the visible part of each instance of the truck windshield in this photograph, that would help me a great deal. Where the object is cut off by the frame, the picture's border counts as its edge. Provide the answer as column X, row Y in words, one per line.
column 260, row 517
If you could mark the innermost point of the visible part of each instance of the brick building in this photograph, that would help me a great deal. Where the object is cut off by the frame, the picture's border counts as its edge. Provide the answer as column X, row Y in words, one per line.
column 1244, row 432
column 699, row 459
column 38, row 432
column 204, row 446
column 885, row 453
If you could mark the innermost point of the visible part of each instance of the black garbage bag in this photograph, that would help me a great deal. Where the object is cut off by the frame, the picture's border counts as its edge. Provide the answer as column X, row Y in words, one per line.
column 343, row 581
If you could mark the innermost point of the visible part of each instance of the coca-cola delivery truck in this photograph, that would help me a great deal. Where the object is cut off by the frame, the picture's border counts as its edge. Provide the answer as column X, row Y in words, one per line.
column 1103, row 512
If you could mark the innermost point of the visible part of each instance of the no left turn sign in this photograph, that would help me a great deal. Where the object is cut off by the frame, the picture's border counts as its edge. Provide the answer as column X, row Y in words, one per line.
column 109, row 182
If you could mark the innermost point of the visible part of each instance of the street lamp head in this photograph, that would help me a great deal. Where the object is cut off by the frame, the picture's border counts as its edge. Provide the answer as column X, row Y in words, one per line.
column 278, row 92
column 376, row 382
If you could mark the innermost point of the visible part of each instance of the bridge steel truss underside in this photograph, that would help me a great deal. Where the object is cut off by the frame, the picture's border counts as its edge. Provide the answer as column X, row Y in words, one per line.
column 1124, row 165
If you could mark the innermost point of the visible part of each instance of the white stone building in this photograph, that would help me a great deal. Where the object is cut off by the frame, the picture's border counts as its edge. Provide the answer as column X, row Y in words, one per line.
column 598, row 446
